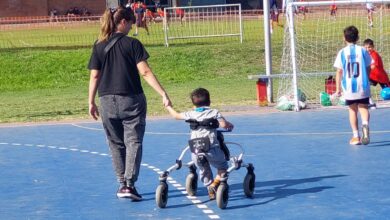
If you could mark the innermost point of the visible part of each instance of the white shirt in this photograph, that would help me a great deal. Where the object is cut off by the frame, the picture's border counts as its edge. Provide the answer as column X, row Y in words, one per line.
column 370, row 6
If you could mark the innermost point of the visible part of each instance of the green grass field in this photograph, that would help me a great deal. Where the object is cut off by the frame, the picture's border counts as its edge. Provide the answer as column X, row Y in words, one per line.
column 39, row 84
column 43, row 74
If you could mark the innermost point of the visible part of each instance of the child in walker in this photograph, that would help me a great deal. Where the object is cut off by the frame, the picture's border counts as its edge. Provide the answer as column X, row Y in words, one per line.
column 204, row 123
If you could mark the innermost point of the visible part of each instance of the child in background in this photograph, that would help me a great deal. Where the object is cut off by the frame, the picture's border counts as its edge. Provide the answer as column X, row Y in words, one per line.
column 274, row 14
column 333, row 10
column 353, row 68
column 149, row 16
column 378, row 74
column 215, row 156
column 370, row 11
column 140, row 14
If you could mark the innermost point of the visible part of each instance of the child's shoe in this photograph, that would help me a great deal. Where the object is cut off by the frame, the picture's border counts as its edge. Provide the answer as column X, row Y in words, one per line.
column 354, row 141
column 212, row 189
column 366, row 135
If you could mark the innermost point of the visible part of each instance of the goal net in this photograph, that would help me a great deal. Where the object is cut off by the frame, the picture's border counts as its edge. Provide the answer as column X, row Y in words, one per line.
column 313, row 39
column 198, row 22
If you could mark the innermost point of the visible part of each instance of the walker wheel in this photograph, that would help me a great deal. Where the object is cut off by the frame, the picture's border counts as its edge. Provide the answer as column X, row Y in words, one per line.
column 249, row 184
column 222, row 195
column 192, row 184
column 162, row 195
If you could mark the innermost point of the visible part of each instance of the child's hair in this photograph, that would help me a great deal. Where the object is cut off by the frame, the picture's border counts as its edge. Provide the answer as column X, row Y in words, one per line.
column 111, row 18
column 200, row 97
column 368, row 41
column 351, row 34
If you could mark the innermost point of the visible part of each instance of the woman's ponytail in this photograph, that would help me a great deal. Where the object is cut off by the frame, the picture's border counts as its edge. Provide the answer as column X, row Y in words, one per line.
column 111, row 18
column 108, row 25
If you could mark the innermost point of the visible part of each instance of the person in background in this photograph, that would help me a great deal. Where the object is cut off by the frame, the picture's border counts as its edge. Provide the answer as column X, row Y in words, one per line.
column 353, row 68
column 140, row 14
column 333, row 10
column 378, row 74
column 370, row 13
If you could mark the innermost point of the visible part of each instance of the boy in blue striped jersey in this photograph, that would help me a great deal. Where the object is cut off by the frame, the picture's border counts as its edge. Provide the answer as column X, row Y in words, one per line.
column 353, row 69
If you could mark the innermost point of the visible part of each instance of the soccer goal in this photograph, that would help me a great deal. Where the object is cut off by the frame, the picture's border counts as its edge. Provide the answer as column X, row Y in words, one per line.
column 311, row 42
column 202, row 22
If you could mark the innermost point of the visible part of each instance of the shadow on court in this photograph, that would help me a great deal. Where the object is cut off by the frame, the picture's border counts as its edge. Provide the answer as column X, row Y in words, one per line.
column 379, row 144
column 280, row 190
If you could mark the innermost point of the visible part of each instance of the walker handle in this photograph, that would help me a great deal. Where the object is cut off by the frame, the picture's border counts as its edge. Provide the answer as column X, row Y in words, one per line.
column 224, row 130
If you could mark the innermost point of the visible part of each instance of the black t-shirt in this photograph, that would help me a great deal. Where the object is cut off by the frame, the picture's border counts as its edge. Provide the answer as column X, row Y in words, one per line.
column 119, row 73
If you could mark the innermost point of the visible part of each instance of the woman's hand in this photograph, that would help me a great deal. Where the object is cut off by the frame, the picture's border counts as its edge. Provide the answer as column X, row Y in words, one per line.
column 93, row 111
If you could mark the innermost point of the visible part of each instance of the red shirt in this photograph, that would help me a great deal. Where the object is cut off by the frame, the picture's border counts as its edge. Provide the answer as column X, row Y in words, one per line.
column 180, row 12
column 149, row 14
column 378, row 74
column 161, row 13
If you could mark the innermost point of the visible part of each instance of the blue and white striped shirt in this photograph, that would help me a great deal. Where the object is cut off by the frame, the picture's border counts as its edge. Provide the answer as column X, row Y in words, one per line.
column 353, row 60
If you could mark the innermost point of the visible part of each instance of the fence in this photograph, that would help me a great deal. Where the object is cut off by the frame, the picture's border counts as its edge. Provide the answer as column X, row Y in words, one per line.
column 64, row 31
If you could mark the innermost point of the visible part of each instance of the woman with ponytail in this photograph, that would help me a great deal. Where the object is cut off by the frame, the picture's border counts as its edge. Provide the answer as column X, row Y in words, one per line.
column 116, row 64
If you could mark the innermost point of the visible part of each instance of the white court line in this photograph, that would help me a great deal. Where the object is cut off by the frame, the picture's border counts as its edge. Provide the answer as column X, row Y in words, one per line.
column 195, row 201
column 252, row 134
column 175, row 184
column 202, row 206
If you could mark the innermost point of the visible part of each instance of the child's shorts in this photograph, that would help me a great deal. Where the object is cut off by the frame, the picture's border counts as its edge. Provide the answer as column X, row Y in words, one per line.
column 374, row 83
column 364, row 101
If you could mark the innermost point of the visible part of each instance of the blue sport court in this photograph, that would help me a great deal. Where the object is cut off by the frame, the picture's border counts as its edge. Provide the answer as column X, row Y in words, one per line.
column 304, row 166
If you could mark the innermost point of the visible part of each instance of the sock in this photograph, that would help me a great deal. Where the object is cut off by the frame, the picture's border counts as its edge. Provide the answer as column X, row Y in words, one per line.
column 215, row 182
column 355, row 133
column 365, row 122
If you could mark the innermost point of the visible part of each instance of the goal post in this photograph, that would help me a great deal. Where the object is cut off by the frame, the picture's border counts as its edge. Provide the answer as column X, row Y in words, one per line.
column 311, row 42
column 208, row 21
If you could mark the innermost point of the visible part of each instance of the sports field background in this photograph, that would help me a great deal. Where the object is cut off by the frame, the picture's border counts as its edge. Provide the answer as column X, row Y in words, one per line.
column 43, row 74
